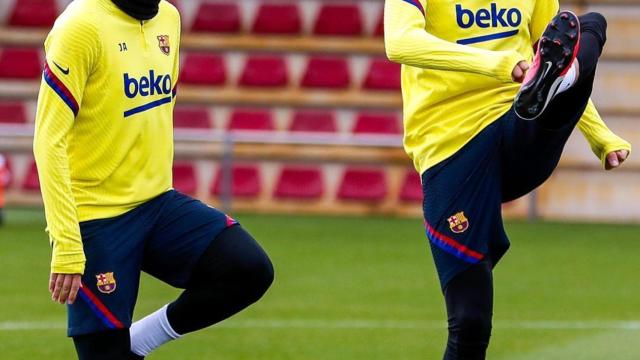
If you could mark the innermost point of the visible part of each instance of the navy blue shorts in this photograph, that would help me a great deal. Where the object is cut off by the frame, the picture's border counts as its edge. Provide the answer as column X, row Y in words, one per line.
column 463, row 194
column 163, row 237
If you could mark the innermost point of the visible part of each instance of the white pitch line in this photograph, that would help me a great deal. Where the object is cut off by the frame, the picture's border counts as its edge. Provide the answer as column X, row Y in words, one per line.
column 368, row 324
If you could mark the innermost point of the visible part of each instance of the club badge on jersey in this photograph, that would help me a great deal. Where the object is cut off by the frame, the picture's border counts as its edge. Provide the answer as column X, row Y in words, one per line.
column 458, row 223
column 106, row 283
column 163, row 44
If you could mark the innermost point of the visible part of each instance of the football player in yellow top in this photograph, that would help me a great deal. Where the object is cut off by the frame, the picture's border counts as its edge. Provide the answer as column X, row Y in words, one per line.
column 480, row 138
column 104, row 149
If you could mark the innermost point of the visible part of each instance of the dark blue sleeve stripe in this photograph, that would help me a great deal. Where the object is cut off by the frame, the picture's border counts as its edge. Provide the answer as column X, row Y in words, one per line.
column 417, row 4
column 58, row 86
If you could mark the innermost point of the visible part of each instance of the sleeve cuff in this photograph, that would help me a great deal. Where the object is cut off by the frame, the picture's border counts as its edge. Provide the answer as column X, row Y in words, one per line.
column 70, row 263
column 504, row 68
column 622, row 145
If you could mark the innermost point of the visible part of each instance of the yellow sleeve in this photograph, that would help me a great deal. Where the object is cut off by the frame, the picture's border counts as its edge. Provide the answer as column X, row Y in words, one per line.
column 543, row 12
column 407, row 42
column 602, row 140
column 71, row 51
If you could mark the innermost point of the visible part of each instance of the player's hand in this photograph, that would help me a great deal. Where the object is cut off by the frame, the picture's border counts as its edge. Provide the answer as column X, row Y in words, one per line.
column 520, row 71
column 64, row 287
column 616, row 158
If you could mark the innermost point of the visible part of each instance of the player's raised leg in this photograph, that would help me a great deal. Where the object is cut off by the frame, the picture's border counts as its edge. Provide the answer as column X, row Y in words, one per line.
column 554, row 98
column 220, row 265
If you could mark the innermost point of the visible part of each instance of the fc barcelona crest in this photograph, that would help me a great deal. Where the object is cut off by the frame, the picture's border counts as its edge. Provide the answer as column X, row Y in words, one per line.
column 163, row 44
column 106, row 283
column 458, row 223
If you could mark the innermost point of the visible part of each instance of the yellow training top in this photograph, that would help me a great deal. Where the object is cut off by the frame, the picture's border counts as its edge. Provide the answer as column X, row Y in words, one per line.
column 456, row 76
column 104, row 126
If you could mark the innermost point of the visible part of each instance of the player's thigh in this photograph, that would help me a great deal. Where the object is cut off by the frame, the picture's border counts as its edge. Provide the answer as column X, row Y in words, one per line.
column 183, row 231
column 530, row 153
column 113, row 249
column 462, row 207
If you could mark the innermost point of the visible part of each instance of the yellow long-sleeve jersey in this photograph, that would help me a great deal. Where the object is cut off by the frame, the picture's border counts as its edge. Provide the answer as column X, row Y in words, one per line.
column 104, row 126
column 456, row 76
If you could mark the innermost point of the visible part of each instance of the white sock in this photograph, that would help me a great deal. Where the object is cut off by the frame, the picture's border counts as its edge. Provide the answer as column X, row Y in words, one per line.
column 570, row 79
column 150, row 332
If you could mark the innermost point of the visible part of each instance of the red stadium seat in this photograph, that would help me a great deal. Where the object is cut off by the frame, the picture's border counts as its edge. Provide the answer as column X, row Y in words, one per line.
column 220, row 17
column 34, row 13
column 363, row 184
column 203, row 69
column 265, row 71
column 383, row 75
column 20, row 63
column 367, row 123
column 31, row 181
column 247, row 119
column 246, row 182
column 313, row 121
column 278, row 18
column 411, row 190
column 379, row 31
column 327, row 72
column 12, row 113
column 339, row 19
column 185, row 179
column 300, row 183
column 190, row 117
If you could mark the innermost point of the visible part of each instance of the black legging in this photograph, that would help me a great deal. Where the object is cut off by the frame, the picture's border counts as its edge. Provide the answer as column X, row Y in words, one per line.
column 233, row 273
column 469, row 299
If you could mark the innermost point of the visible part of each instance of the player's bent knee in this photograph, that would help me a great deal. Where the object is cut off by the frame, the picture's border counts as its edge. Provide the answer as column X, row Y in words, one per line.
column 594, row 22
column 256, row 275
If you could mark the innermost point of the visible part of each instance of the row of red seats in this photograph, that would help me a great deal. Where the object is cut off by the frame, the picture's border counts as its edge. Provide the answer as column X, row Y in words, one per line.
column 193, row 117
column 273, row 71
column 294, row 182
column 301, row 121
column 259, row 70
column 273, row 17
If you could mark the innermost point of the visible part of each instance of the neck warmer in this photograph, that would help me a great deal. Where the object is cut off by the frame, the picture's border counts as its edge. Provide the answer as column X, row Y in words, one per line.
column 139, row 9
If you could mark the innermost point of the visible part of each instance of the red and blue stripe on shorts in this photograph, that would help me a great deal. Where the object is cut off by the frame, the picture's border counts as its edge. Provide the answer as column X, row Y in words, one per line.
column 99, row 309
column 452, row 246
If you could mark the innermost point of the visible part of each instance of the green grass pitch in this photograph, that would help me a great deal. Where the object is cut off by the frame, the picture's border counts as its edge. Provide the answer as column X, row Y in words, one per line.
column 366, row 288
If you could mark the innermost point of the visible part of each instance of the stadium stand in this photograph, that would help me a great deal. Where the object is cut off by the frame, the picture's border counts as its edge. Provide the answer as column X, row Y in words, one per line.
column 31, row 181
column 185, row 178
column 382, row 75
column 251, row 119
column 315, row 83
column 339, row 19
column 246, row 181
column 313, row 121
column 265, row 71
column 300, row 183
column 20, row 63
column 191, row 117
column 363, row 184
column 411, row 190
column 12, row 112
column 217, row 17
column 34, row 13
column 278, row 18
column 203, row 69
column 368, row 123
column 327, row 72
